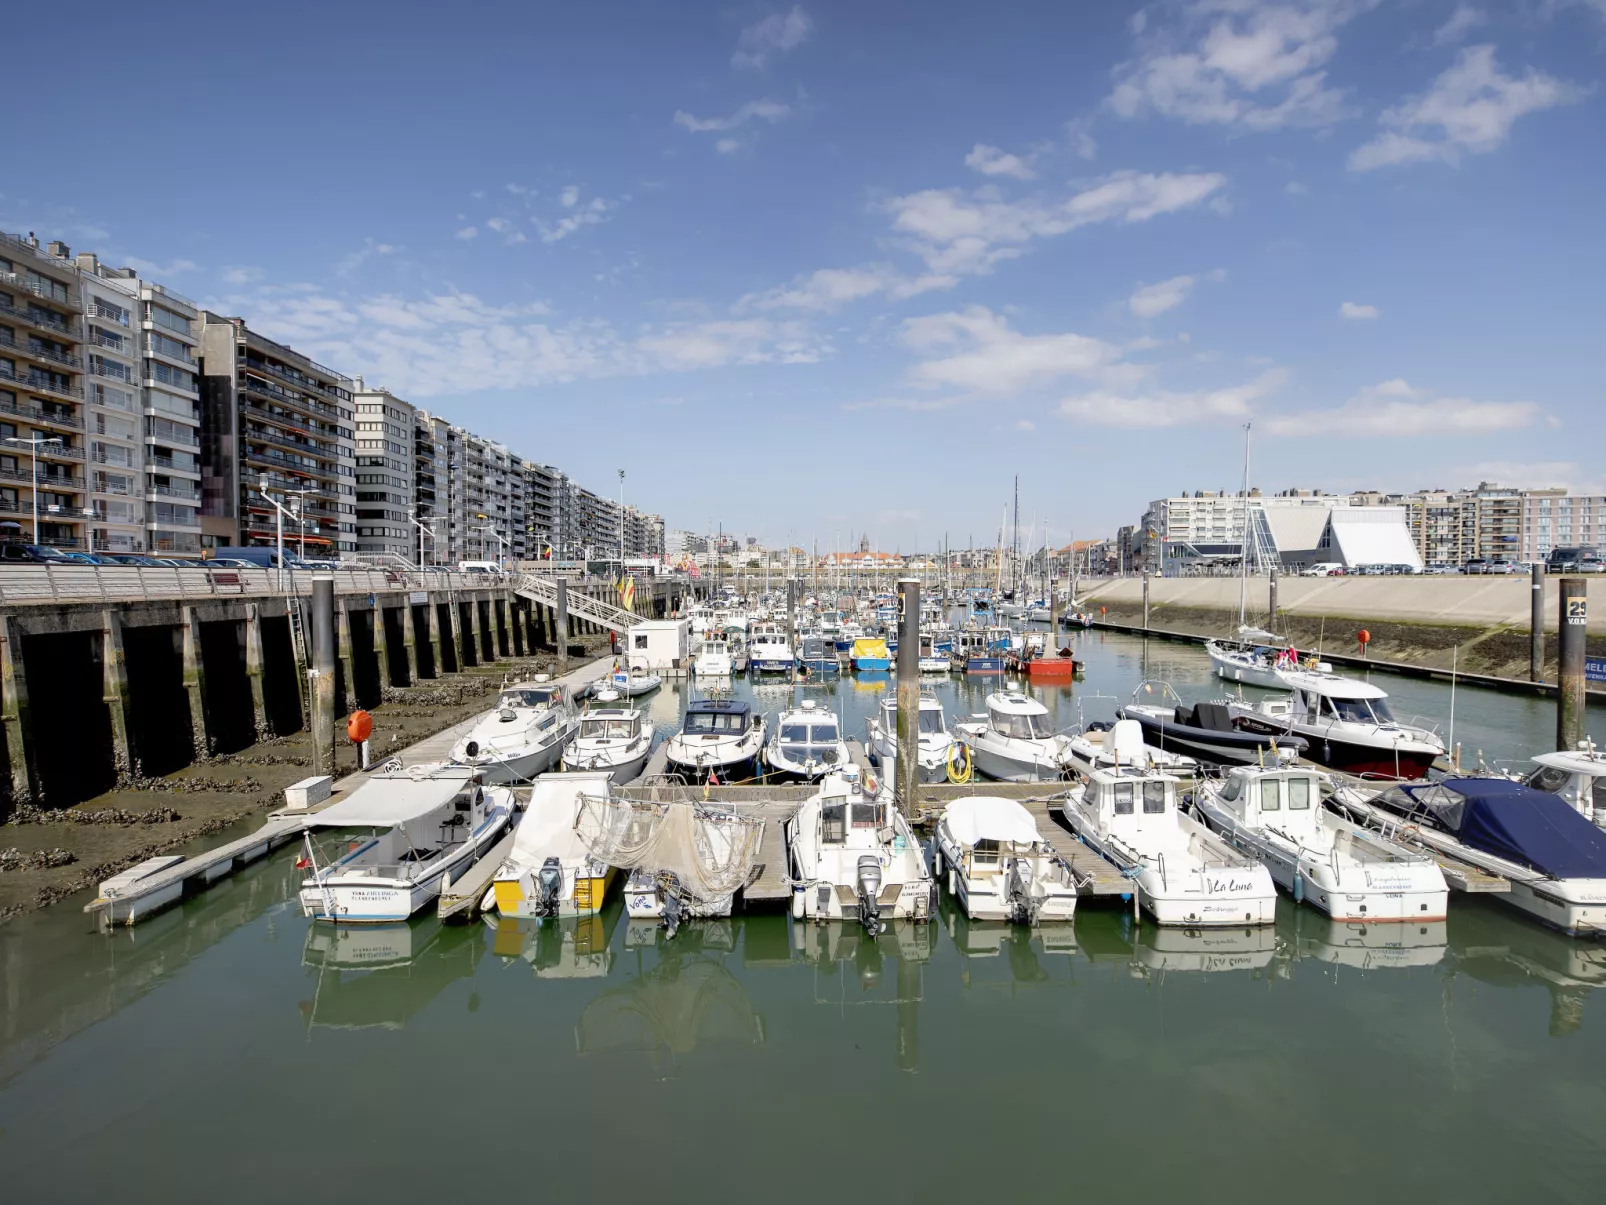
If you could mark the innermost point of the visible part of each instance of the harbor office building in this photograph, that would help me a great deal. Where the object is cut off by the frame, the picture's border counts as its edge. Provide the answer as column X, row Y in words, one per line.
column 1204, row 534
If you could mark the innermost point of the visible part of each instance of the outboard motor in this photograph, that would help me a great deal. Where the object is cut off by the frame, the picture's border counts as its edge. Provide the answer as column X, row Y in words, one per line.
column 869, row 891
column 1016, row 896
column 675, row 909
column 549, row 883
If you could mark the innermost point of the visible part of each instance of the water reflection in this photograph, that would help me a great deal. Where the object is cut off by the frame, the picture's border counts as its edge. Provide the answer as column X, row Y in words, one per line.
column 988, row 947
column 1359, row 947
column 851, row 970
column 384, row 975
column 570, row 947
column 1492, row 946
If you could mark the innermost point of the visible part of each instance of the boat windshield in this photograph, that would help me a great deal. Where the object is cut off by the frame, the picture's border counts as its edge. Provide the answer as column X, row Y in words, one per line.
column 610, row 728
column 930, row 721
column 1024, row 727
column 715, row 722
column 1360, row 711
column 529, row 698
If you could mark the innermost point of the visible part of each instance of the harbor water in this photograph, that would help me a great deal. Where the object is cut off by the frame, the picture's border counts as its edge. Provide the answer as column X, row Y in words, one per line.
column 230, row 1049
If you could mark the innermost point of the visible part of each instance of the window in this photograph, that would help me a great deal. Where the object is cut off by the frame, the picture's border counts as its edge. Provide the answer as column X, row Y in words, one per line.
column 162, row 345
column 866, row 815
column 1232, row 788
column 1153, row 798
column 638, row 642
column 1123, row 798
column 169, row 375
column 1299, row 793
column 1271, row 795
column 172, row 321
column 833, row 823
column 984, row 853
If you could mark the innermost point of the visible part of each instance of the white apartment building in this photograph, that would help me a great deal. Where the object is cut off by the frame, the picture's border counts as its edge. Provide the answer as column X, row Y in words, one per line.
column 386, row 472
column 1553, row 518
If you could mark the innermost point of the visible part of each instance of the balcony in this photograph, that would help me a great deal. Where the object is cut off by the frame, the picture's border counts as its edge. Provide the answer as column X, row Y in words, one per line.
column 182, row 359
column 306, row 447
column 172, row 541
column 34, row 351
column 159, row 430
column 169, row 465
column 267, row 389
column 273, row 459
column 293, row 422
column 160, row 493
column 294, row 378
column 60, row 293
column 42, row 415
column 37, row 384
column 95, row 310
column 66, row 481
column 43, row 320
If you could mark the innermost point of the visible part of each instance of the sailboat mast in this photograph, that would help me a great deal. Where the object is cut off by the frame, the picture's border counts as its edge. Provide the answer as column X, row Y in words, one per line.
column 1243, row 539
column 1014, row 543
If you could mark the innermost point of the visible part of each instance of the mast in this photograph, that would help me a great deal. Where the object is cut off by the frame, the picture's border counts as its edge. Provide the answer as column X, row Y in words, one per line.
column 1014, row 545
column 1243, row 541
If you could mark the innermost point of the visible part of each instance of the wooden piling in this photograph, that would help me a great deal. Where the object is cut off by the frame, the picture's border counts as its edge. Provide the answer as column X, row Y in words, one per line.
column 908, row 784
column 1536, row 625
column 1572, row 625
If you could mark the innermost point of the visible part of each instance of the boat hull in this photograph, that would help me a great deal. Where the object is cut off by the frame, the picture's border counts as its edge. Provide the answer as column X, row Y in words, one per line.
column 619, row 772
column 1233, row 670
column 771, row 665
column 517, row 769
column 1225, row 748
column 1001, row 767
column 984, row 665
column 1352, row 757
column 373, row 900
column 583, row 895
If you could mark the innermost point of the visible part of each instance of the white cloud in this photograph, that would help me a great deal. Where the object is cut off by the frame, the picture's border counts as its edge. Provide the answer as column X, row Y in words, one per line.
column 990, row 161
column 242, row 275
column 148, row 268
column 508, row 229
column 775, row 34
column 1461, row 22
column 828, row 288
column 1396, row 408
column 992, row 358
column 569, row 196
column 1357, row 312
column 578, row 214
column 1168, row 408
column 1239, row 63
column 762, row 110
column 727, row 146
column 1154, row 299
column 1295, row 189
column 964, row 233
column 1543, row 474
column 1080, row 134
column 356, row 259
column 467, row 232
column 1469, row 109
column 733, row 341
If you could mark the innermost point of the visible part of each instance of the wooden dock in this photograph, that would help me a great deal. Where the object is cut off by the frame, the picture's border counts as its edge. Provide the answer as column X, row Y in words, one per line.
column 460, row 898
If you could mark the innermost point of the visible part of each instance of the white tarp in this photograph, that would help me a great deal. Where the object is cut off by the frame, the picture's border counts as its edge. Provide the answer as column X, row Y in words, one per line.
column 986, row 817
column 546, row 829
column 388, row 800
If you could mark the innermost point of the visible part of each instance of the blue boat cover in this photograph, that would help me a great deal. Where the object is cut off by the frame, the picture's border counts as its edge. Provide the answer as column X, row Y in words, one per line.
column 1518, row 823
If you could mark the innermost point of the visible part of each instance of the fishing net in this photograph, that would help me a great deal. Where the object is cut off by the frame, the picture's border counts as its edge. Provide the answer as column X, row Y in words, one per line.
column 710, row 850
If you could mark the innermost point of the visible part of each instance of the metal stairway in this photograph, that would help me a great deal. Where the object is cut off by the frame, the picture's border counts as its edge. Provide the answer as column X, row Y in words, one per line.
column 544, row 590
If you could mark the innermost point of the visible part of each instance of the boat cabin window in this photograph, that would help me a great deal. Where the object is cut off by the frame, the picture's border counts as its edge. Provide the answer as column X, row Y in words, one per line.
column 795, row 734
column 610, row 728
column 1299, row 793
column 1024, row 727
column 866, row 815
column 1355, row 711
column 984, row 852
column 1153, row 798
column 528, row 698
column 930, row 721
column 1550, row 780
column 1232, row 788
column 833, row 823
column 710, row 722
column 1271, row 795
column 1123, row 798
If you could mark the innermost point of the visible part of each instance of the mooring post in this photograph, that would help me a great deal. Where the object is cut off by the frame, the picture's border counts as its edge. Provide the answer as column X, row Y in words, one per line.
column 14, row 709
column 1572, row 626
column 432, row 633
column 1145, row 600
column 195, row 680
column 908, row 784
column 114, row 680
column 254, row 670
column 415, row 668
column 561, row 625
column 347, row 653
column 323, row 672
column 1271, row 613
column 1536, row 625
column 382, row 648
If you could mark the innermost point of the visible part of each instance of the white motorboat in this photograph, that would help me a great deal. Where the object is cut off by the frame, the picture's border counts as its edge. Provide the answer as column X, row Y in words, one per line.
column 628, row 680
column 1554, row 859
column 402, row 833
column 998, row 865
column 1184, row 874
column 713, row 659
column 807, row 742
column 853, row 856
column 1346, row 724
column 522, row 736
column 615, row 739
column 550, row 872
column 1276, row 816
column 936, row 744
column 1578, row 776
column 1122, row 744
column 936, row 652
column 1012, row 741
column 768, row 652
column 719, row 737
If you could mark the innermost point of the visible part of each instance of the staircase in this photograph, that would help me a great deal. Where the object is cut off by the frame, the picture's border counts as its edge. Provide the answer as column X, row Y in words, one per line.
column 544, row 590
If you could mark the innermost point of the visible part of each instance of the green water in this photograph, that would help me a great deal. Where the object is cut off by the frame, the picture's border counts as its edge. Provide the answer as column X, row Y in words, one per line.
column 230, row 1050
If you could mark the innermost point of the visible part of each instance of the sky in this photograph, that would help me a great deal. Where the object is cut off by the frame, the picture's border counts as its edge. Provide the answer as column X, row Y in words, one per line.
column 811, row 271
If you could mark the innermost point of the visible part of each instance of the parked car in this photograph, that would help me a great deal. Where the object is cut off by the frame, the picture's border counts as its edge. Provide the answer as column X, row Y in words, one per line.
column 1571, row 559
column 260, row 558
column 1325, row 569
column 1501, row 564
column 1475, row 565
column 126, row 558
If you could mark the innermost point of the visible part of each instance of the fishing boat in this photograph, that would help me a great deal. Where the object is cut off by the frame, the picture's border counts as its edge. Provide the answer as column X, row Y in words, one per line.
column 936, row 651
column 768, row 652
column 720, row 737
column 713, row 658
column 935, row 743
column 1346, row 724
column 522, row 736
column 1205, row 731
column 1012, row 741
column 1182, row 872
column 1122, row 743
column 402, row 832
column 1554, row 859
column 1276, row 817
column 1576, row 775
column 807, row 743
column 615, row 739
column 871, row 653
column 818, row 655
column 549, row 872
column 853, row 856
column 999, row 866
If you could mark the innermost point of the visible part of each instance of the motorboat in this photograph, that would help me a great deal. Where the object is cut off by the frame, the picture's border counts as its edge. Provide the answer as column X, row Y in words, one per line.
column 550, row 872
column 973, row 654
column 768, row 652
column 1352, row 874
column 1122, row 743
column 719, row 737
column 999, row 866
column 522, row 736
column 1347, row 725
column 615, row 739
column 738, row 650
column 400, row 834
column 1012, row 741
column 1037, row 611
column 853, row 856
column 1183, row 873
column 807, row 743
column 871, row 653
column 1576, row 775
column 1554, row 859
column 935, row 652
column 1205, row 731
column 935, row 743
column 713, row 658
column 818, row 654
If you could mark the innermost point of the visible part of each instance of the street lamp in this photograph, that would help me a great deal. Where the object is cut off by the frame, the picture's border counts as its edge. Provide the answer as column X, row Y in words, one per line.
column 621, row 523
column 263, row 486
column 34, row 444
column 502, row 558
column 412, row 515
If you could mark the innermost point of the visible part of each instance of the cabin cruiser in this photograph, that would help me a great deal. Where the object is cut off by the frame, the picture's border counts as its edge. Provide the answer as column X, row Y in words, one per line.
column 973, row 654
column 871, row 653
column 935, row 652
column 999, row 866
column 1276, row 816
column 1347, row 724
column 768, row 652
column 1554, row 859
column 1122, row 743
column 713, row 658
column 721, row 737
column 818, row 654
column 1205, row 731
column 1258, row 658
column 1037, row 611
column 807, row 742
column 1578, row 776
column 1183, row 873
column 1012, row 741
column 404, row 832
column 615, row 739
column 550, row 872
column 521, row 737
column 853, row 856
column 936, row 745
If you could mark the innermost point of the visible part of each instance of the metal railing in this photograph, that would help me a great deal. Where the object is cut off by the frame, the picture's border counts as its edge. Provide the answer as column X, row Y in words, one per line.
column 24, row 583
column 41, row 384
column 31, row 348
column 40, row 414
column 42, row 319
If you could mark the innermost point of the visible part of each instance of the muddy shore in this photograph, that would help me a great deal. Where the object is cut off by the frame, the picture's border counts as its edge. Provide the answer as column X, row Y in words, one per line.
column 49, row 854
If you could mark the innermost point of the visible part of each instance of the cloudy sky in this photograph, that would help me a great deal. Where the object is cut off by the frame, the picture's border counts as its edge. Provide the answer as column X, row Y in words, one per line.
column 811, row 270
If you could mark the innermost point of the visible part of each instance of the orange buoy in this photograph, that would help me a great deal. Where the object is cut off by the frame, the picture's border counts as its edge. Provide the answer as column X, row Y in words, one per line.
column 1364, row 636
column 359, row 727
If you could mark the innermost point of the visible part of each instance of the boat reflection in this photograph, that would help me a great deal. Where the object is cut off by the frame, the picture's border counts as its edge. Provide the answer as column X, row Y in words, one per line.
column 1495, row 946
column 1367, row 947
column 569, row 947
column 382, row 976
column 844, row 957
column 1151, row 951
column 1019, row 947
column 686, row 1000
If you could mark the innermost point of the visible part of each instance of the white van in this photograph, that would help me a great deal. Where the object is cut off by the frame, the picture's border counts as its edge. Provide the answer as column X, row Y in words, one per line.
column 1325, row 569
column 478, row 567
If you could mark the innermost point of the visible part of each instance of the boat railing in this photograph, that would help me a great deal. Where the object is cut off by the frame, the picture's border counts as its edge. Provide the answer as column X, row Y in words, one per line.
column 1148, row 687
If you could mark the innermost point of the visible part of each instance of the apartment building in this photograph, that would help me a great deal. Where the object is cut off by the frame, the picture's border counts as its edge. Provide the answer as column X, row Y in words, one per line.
column 386, row 471
column 544, row 488
column 1553, row 518
column 277, row 430
column 43, row 422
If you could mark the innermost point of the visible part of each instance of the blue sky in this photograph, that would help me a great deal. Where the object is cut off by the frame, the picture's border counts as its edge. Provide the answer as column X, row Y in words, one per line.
column 837, row 267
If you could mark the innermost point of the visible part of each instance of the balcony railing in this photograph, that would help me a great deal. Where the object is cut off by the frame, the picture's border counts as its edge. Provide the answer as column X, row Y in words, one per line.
column 289, row 399
column 41, row 414
column 153, row 492
column 295, row 378
column 60, row 294
column 259, row 435
column 162, row 431
column 95, row 310
column 43, row 319
column 274, row 458
column 65, row 481
column 41, row 385
column 173, row 465
column 39, row 353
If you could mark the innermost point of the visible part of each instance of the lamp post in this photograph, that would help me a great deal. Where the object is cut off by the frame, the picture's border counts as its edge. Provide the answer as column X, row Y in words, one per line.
column 502, row 551
column 412, row 516
column 279, row 513
column 621, row 524
column 34, row 443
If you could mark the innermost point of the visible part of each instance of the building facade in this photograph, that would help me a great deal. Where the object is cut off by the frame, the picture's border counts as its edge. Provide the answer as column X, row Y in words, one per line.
column 386, row 472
